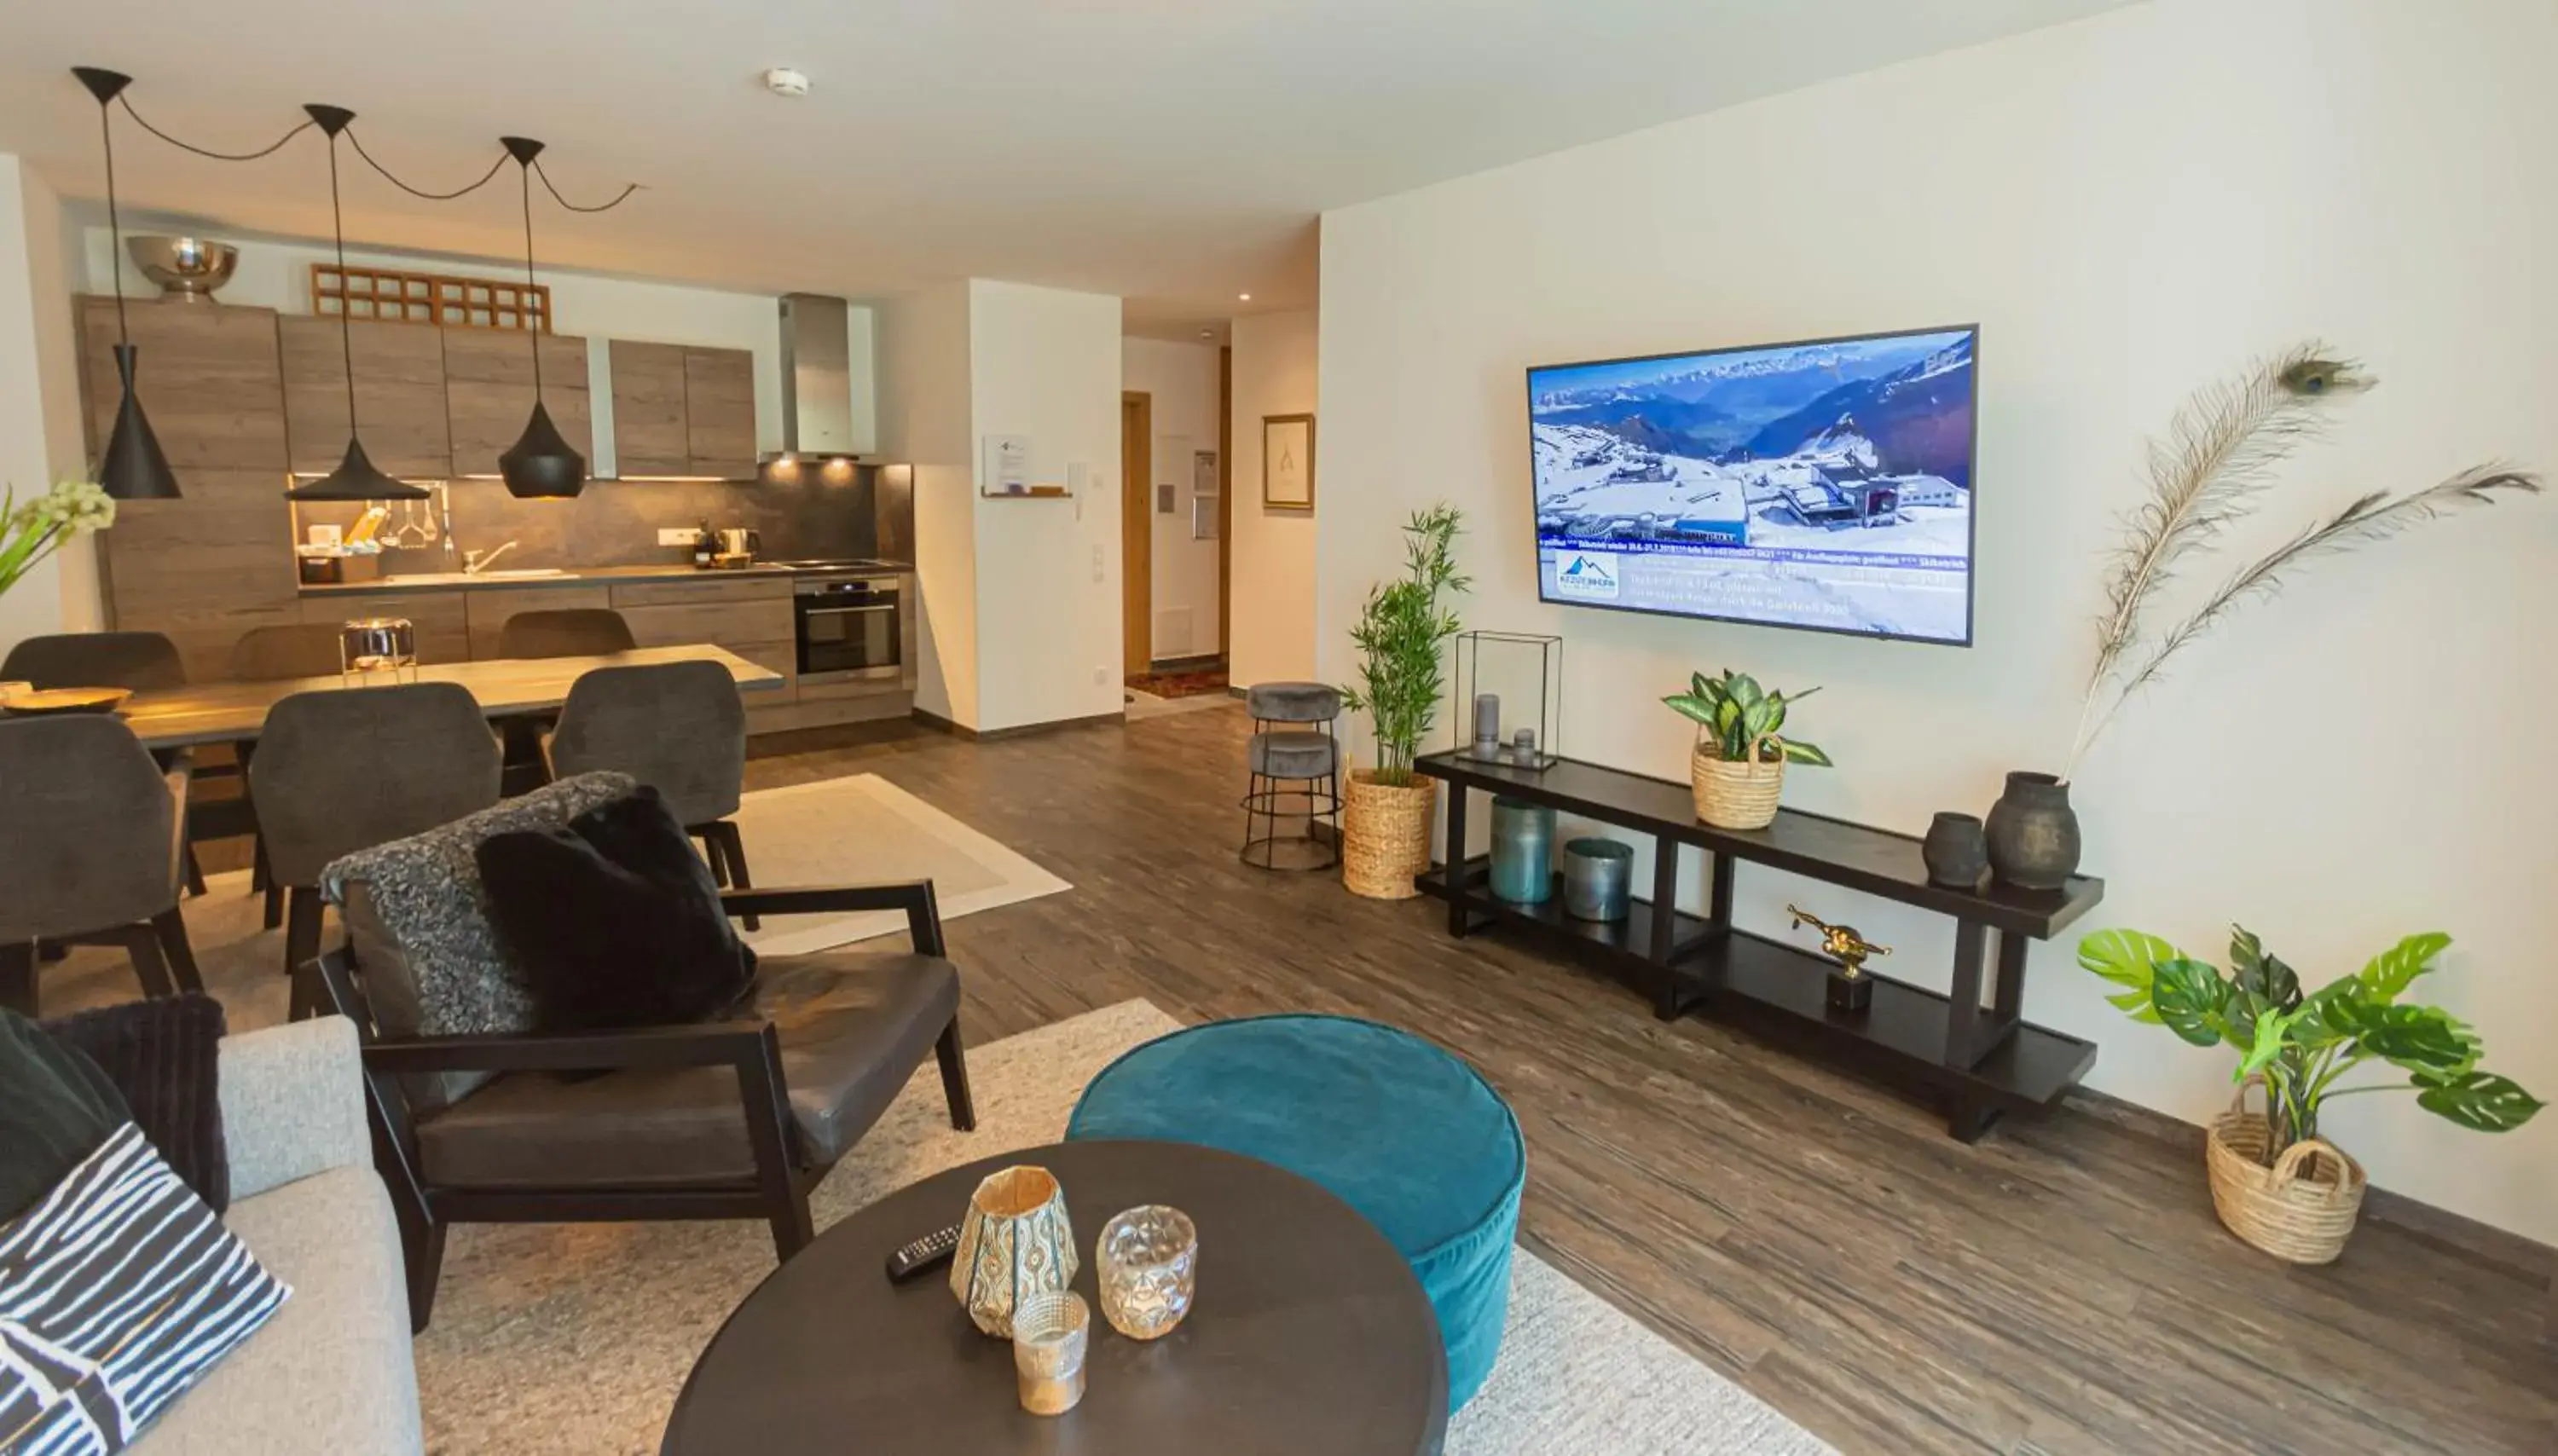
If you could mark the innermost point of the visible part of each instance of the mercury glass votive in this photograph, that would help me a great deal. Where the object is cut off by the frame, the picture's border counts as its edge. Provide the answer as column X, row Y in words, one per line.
column 1051, row 1333
column 1148, row 1260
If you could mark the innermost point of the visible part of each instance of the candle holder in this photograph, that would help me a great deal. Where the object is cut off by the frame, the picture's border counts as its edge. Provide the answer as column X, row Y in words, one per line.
column 1052, row 1333
column 1520, row 670
column 1148, row 1260
column 378, row 649
column 1015, row 1243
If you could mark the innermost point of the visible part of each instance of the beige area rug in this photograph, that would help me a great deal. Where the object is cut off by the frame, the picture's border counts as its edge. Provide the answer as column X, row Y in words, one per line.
column 575, row 1339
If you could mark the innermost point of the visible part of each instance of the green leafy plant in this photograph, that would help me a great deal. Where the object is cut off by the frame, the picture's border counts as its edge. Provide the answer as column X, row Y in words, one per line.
column 28, row 533
column 1399, row 633
column 1736, row 713
column 2302, row 1044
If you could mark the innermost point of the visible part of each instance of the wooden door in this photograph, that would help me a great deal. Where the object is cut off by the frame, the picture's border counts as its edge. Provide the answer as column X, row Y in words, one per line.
column 400, row 395
column 649, row 433
column 489, row 393
column 1137, row 532
column 719, row 413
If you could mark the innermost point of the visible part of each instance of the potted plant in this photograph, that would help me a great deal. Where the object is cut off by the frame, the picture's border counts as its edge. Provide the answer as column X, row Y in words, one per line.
column 1739, row 767
column 1386, row 816
column 28, row 533
column 2275, row 1182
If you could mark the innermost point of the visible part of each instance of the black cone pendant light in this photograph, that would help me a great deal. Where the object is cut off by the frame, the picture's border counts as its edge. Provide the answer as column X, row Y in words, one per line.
column 541, row 466
column 133, row 466
column 355, row 477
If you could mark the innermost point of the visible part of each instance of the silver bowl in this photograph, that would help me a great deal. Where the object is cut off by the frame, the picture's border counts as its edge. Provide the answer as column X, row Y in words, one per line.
column 190, row 268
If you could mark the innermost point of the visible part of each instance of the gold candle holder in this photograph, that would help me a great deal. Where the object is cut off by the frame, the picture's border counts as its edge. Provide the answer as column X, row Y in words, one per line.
column 1016, row 1241
column 1051, row 1334
column 1148, row 1259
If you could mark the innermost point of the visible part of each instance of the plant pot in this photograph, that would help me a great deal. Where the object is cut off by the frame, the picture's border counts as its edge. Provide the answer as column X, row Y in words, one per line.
column 2299, row 1208
column 1385, row 834
column 2034, row 833
column 1736, row 794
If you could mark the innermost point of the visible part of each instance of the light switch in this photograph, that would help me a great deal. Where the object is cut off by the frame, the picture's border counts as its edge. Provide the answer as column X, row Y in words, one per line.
column 1096, row 562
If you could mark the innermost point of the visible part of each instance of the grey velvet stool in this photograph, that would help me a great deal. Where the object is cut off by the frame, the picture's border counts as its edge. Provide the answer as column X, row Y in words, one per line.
column 91, row 852
column 679, row 727
column 1295, row 765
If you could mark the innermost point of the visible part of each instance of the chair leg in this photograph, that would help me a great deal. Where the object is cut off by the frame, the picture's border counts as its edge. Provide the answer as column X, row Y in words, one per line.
column 954, row 1077
column 303, row 909
column 18, row 976
column 711, row 853
column 150, row 966
column 194, row 872
column 732, row 848
column 422, row 1249
column 170, row 928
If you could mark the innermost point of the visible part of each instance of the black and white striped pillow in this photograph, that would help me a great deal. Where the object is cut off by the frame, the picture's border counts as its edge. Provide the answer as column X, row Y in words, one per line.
column 118, row 1291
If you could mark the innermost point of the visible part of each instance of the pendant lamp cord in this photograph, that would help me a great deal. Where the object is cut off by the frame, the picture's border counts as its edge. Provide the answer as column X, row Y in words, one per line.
column 345, row 329
column 531, row 290
column 114, row 225
column 266, row 150
column 416, row 192
column 574, row 207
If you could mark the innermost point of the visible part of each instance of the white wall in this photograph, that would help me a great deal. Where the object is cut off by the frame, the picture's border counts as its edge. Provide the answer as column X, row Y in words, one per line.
column 1272, row 609
column 1045, row 362
column 41, row 438
column 2130, row 206
column 1181, row 381
column 924, row 419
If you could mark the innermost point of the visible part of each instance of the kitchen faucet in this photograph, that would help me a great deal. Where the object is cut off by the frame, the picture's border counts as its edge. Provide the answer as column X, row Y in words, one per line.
column 476, row 561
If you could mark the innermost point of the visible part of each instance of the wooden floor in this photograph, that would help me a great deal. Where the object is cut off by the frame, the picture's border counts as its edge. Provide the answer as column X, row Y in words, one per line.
column 2060, row 1288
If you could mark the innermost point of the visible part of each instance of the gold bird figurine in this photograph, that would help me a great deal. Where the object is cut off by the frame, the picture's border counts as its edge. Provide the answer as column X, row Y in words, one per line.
column 1840, row 941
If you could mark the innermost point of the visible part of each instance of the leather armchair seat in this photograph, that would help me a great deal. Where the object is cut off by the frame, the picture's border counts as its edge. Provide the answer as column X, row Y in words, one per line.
column 852, row 1027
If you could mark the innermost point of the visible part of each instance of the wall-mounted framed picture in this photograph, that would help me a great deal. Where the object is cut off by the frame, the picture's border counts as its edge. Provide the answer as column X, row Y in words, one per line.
column 1288, row 462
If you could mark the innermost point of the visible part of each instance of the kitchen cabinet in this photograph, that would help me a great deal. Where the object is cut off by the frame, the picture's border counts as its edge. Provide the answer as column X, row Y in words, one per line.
column 489, row 393
column 400, row 395
column 440, row 618
column 680, row 410
column 486, row 608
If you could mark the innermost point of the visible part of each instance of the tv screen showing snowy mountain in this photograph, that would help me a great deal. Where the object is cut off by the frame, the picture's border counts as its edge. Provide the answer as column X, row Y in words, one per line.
column 1824, row 485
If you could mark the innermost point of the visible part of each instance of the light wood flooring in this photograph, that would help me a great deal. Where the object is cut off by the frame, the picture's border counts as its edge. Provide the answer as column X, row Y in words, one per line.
column 2062, row 1287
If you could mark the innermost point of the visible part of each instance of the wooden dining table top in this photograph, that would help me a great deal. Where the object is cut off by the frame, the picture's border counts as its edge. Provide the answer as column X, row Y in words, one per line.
column 230, row 713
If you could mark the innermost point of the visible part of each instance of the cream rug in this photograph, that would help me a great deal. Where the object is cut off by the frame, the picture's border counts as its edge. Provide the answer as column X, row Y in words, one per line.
column 575, row 1339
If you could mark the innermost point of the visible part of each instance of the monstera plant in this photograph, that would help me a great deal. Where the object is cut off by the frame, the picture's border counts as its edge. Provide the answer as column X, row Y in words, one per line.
column 2305, row 1045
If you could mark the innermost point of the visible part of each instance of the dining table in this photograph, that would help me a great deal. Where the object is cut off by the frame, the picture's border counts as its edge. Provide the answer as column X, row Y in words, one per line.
column 235, row 712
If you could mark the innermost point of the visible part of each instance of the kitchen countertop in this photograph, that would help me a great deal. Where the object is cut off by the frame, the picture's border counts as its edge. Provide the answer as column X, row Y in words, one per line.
column 578, row 577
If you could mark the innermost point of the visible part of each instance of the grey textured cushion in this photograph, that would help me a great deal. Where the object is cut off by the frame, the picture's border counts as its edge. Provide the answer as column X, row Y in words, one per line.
column 1293, row 702
column 1294, row 754
column 418, row 916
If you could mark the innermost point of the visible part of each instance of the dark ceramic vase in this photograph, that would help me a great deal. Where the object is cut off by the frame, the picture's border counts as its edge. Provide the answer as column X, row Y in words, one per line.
column 2034, row 833
column 1958, row 851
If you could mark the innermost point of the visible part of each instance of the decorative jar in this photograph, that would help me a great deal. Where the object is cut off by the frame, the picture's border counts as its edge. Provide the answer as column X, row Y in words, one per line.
column 1015, row 1242
column 1522, row 851
column 1597, row 876
column 1148, row 1259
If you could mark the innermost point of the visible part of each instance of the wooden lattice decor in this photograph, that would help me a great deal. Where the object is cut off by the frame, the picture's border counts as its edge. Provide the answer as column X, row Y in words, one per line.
column 448, row 299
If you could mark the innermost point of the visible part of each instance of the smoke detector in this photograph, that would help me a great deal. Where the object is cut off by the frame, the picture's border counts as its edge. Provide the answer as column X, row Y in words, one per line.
column 781, row 80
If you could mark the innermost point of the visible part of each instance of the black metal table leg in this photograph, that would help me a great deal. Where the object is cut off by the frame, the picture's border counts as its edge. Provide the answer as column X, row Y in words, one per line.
column 1457, row 912
column 1665, row 860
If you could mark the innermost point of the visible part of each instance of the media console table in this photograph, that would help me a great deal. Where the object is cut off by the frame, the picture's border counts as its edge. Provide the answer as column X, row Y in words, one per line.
column 1979, row 1059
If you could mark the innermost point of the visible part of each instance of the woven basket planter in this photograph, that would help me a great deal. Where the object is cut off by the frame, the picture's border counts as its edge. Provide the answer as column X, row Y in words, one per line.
column 1736, row 794
column 1385, row 834
column 2302, row 1207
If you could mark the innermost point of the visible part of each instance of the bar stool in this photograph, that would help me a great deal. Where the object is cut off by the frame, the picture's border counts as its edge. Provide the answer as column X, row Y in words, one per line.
column 1295, row 761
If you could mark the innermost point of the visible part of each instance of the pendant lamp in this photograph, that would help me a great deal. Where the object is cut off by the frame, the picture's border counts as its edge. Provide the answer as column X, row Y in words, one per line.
column 133, row 466
column 541, row 466
column 355, row 477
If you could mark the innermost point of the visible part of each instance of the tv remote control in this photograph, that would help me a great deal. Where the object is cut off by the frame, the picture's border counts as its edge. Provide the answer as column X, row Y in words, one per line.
column 930, row 1252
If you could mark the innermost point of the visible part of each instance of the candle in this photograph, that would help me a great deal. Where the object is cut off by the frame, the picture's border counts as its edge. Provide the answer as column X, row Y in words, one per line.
column 1487, row 722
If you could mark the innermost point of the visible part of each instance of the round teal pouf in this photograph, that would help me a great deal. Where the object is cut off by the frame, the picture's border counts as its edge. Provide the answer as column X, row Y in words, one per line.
column 1395, row 1127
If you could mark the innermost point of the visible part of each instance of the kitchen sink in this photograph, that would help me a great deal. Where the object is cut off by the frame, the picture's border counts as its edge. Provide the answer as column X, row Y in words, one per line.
column 494, row 573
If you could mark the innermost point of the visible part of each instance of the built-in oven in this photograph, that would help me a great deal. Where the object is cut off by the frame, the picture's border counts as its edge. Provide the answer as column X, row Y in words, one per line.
column 849, row 628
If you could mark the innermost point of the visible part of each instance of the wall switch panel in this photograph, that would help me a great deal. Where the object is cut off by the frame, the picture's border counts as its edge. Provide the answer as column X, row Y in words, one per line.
column 1098, row 568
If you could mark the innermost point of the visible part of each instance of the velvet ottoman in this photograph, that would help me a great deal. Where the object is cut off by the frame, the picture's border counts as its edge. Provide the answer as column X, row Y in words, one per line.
column 1397, row 1128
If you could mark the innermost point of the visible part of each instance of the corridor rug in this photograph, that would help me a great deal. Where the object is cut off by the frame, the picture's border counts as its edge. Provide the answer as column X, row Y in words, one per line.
column 1180, row 684
column 575, row 1339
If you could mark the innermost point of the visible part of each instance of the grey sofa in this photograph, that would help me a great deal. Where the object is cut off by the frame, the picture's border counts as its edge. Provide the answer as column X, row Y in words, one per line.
column 332, row 1372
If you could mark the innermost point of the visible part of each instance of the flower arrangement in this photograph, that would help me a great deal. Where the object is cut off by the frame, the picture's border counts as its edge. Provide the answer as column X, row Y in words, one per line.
column 30, row 532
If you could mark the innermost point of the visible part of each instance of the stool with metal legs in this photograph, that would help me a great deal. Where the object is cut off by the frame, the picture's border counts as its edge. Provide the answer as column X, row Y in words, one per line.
column 1295, row 771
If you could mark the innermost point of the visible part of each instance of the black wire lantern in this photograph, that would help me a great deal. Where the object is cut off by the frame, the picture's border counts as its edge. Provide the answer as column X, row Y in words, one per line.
column 541, row 466
column 133, row 468
column 357, row 477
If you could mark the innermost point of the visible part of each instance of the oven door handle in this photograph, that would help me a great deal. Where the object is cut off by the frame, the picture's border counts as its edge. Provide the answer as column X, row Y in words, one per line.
column 845, row 610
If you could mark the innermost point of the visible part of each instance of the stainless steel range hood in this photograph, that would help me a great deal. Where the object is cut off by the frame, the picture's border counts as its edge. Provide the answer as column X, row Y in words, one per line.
column 816, row 389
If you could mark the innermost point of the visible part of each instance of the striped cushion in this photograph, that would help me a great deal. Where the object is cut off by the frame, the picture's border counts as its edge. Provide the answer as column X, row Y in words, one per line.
column 119, row 1290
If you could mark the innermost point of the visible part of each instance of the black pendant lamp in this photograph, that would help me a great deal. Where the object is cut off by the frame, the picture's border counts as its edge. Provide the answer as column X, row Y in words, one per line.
column 541, row 466
column 133, row 466
column 355, row 477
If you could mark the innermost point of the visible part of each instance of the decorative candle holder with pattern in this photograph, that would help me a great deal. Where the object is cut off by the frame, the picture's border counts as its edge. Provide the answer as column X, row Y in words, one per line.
column 1051, row 1334
column 1014, row 1243
column 1148, row 1260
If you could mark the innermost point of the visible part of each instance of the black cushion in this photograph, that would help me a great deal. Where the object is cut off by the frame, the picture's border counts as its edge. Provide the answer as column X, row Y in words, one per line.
column 614, row 921
column 55, row 1108
column 164, row 1056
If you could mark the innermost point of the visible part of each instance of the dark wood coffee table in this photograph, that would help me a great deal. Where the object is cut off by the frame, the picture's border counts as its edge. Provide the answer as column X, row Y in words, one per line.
column 1310, row 1334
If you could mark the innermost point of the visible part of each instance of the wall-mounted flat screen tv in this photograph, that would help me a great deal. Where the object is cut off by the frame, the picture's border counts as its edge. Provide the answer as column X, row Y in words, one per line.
column 1825, row 485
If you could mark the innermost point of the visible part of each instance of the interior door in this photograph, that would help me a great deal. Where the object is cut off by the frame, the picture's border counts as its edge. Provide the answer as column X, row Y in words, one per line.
column 1137, row 532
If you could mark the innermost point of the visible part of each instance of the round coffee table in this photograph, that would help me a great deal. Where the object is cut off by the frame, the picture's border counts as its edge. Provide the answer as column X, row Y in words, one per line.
column 1309, row 1332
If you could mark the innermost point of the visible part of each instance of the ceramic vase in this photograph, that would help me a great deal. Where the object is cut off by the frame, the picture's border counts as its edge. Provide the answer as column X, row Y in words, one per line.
column 1958, row 851
column 1014, row 1243
column 1522, row 851
column 2034, row 833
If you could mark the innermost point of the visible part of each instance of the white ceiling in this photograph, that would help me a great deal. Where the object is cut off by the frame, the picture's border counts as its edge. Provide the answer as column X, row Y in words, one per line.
column 1176, row 152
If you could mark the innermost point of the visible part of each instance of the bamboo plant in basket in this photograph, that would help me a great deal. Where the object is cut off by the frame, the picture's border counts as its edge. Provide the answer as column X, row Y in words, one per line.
column 1737, row 771
column 1385, row 813
column 2275, row 1181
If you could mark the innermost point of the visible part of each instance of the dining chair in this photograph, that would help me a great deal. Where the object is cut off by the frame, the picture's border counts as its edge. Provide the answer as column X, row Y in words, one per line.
column 578, row 631
column 91, row 852
column 143, row 662
column 346, row 770
column 677, row 726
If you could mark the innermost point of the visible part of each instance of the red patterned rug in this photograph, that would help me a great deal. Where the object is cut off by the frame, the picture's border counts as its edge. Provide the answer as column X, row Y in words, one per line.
column 1180, row 684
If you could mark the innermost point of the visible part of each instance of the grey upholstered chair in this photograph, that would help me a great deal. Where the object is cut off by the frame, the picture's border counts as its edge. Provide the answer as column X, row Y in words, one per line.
column 90, row 852
column 736, row 1119
column 294, row 650
column 583, row 632
column 1296, row 764
column 677, row 726
column 346, row 770
column 142, row 661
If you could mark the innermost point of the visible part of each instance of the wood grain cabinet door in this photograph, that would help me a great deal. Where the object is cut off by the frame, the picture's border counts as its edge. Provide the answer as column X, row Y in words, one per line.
column 489, row 393
column 719, row 412
column 209, row 379
column 400, row 395
column 650, row 433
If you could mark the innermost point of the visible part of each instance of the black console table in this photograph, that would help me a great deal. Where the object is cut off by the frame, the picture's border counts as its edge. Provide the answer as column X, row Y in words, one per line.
column 1980, row 1059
